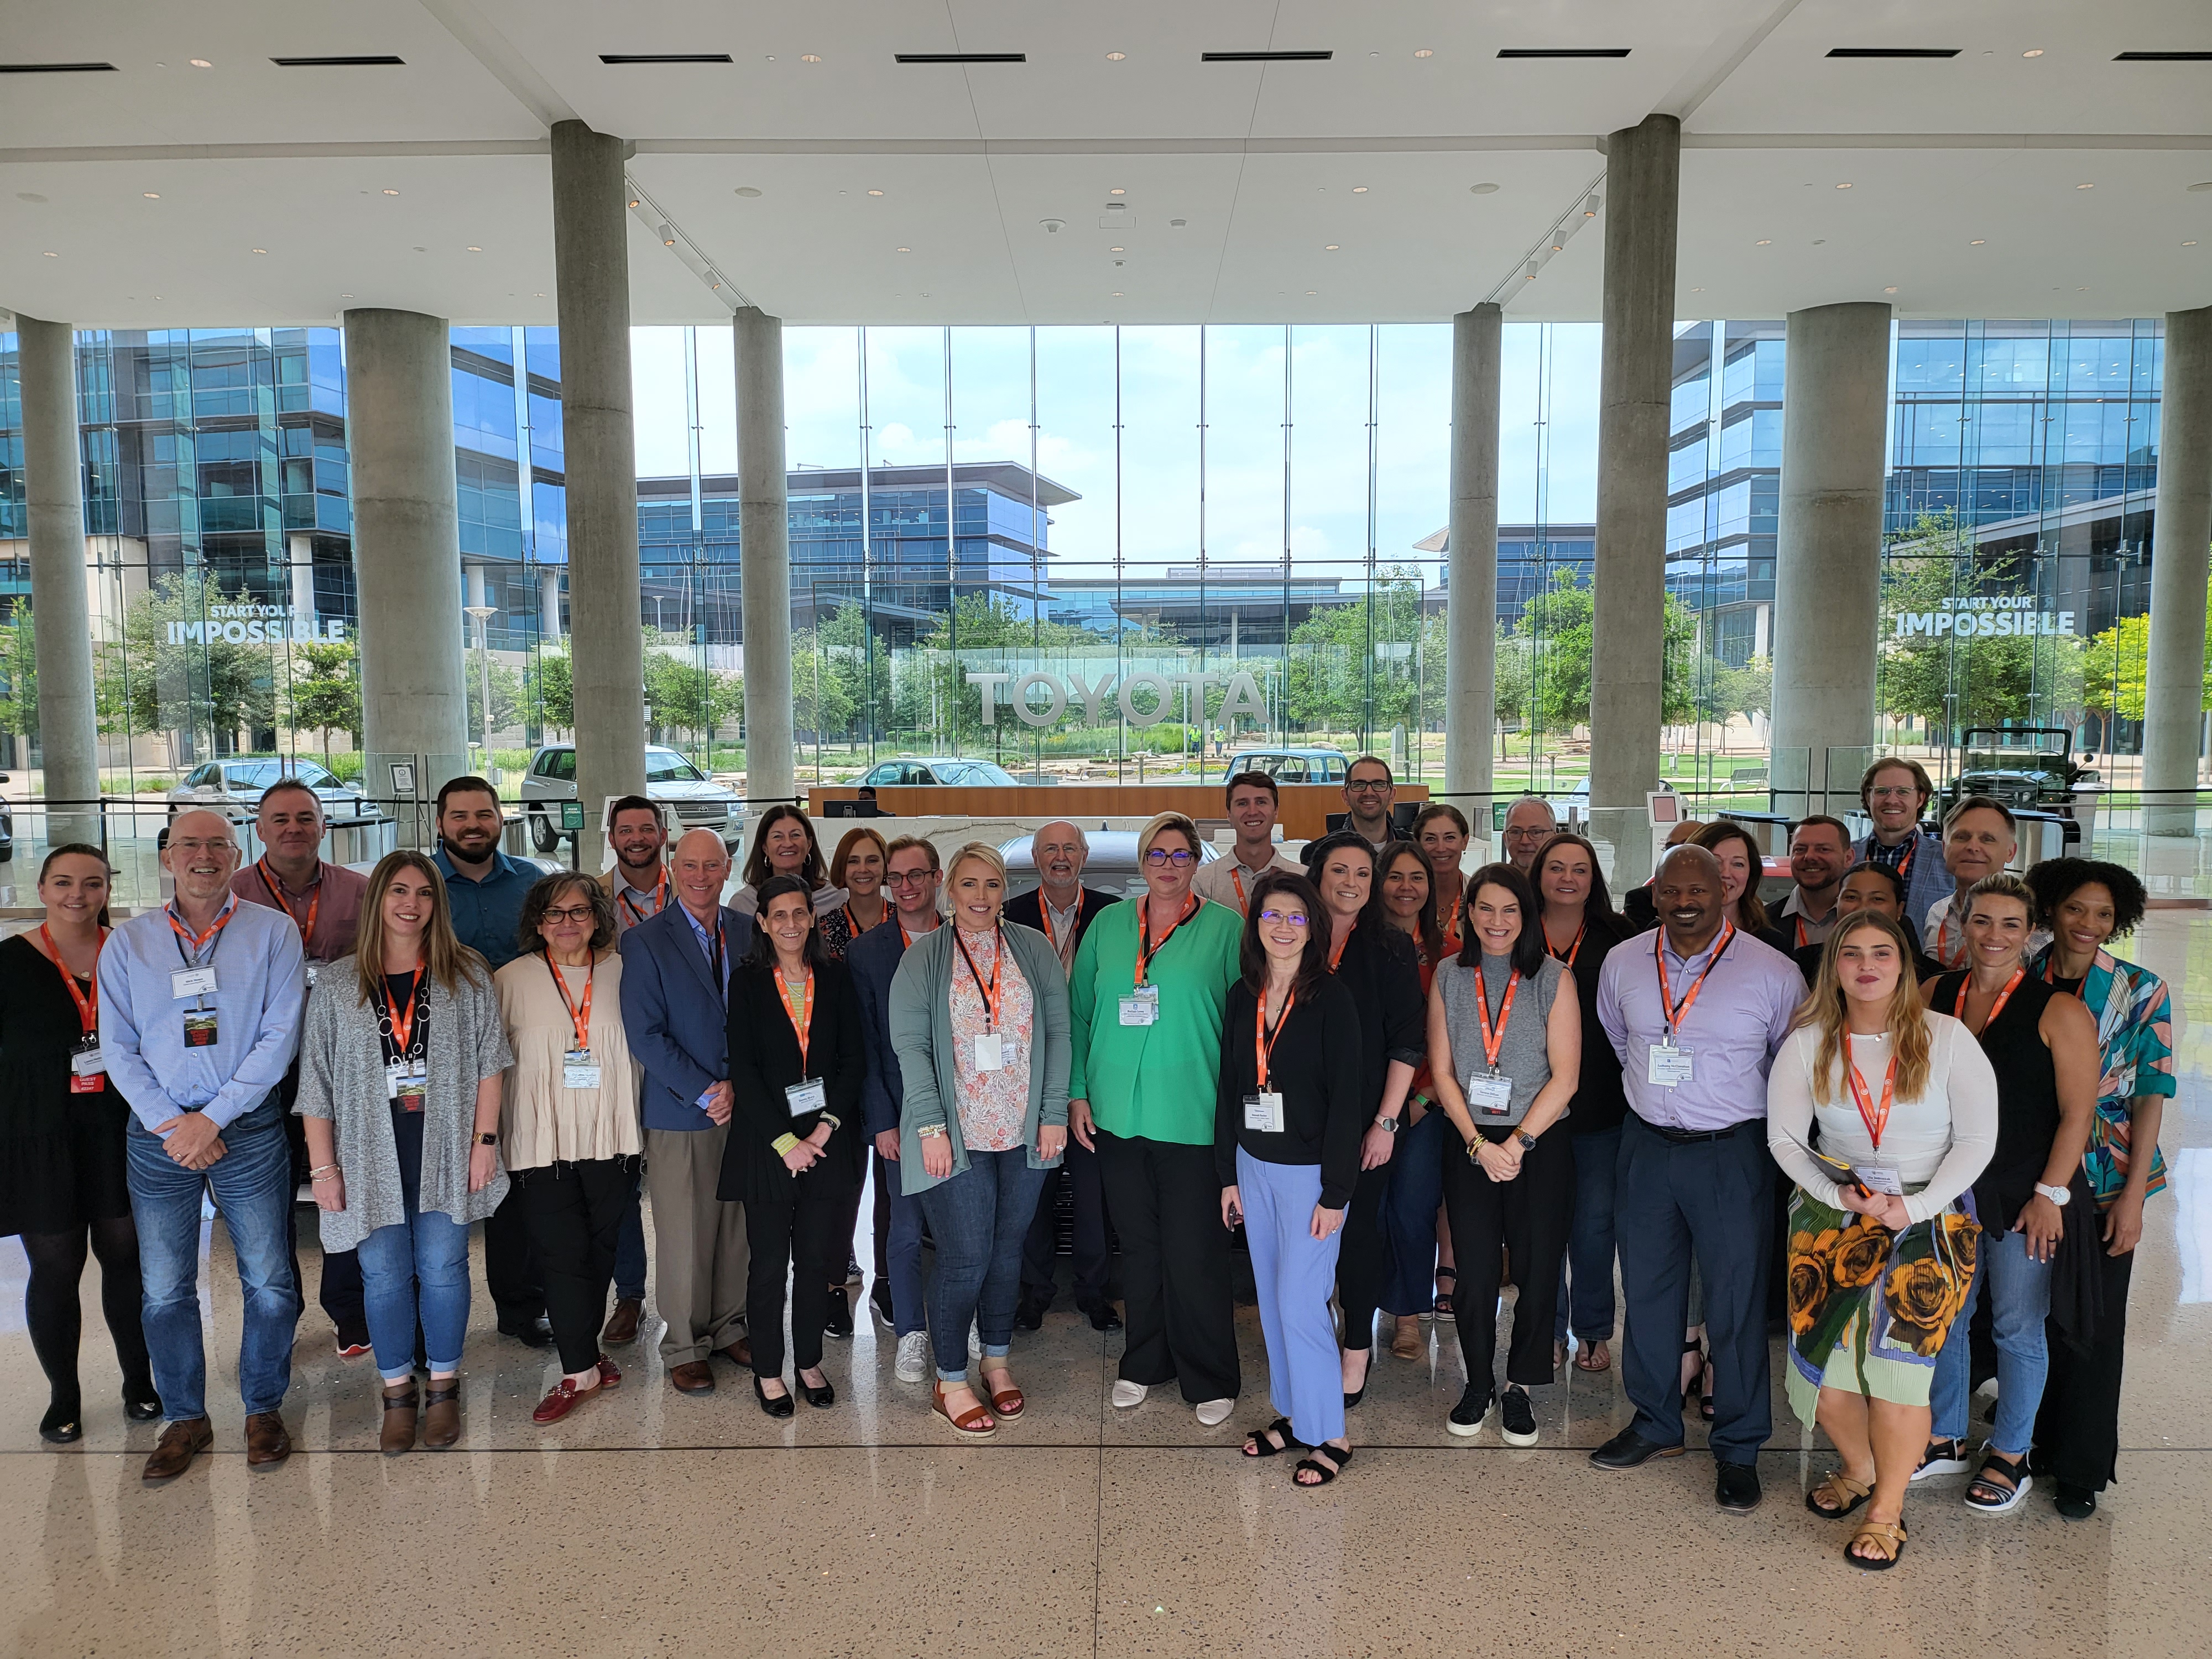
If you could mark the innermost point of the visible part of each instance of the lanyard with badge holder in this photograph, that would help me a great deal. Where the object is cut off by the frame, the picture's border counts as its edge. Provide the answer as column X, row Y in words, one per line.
column 1142, row 1005
column 993, row 1051
column 1874, row 1176
column 808, row 1093
column 1263, row 1109
column 1668, row 1065
column 87, row 1068
column 578, row 1069
column 196, row 979
column 628, row 899
column 274, row 887
column 406, row 1071
column 1492, row 1093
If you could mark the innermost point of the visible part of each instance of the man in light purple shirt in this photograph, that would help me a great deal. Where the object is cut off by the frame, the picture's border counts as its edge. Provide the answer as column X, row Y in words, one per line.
column 1696, row 1010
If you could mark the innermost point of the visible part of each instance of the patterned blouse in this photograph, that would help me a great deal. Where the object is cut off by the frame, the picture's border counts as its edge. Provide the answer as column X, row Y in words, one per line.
column 2135, row 1036
column 994, row 1105
column 839, row 930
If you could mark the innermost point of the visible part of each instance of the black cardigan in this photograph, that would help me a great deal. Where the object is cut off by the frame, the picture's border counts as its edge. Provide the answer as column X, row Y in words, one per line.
column 1315, row 1069
column 1381, row 970
column 764, row 1062
column 1601, row 1101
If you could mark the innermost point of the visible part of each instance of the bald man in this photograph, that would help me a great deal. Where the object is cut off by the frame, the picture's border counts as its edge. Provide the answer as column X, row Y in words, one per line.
column 1635, row 906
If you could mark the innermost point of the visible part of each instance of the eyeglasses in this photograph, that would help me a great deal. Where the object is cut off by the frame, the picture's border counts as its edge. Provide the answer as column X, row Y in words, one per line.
column 573, row 913
column 202, row 846
column 1902, row 791
column 1368, row 785
column 909, row 878
column 1159, row 858
column 1525, row 833
column 1295, row 918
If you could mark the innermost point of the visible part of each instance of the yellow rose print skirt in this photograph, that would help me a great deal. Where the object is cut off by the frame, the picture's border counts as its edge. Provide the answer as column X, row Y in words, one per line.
column 1869, row 1308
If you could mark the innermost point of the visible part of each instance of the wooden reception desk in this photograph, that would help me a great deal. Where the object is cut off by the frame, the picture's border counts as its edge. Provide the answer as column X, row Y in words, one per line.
column 1305, row 807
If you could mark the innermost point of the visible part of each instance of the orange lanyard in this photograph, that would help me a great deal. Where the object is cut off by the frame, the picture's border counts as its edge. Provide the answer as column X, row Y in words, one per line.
column 1958, row 1007
column 1144, row 915
column 200, row 941
column 1493, row 1040
column 1575, row 948
column 802, row 1016
column 853, row 922
column 1943, row 940
column 87, row 1007
column 276, row 891
column 990, row 993
column 1263, row 1040
column 1336, row 950
column 579, row 1017
column 1912, row 847
column 1803, row 941
column 1672, row 1011
column 659, row 898
column 1875, row 1120
column 403, row 1031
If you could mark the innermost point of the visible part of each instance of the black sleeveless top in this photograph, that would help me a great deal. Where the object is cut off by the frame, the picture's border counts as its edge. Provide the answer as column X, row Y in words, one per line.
column 2027, row 1098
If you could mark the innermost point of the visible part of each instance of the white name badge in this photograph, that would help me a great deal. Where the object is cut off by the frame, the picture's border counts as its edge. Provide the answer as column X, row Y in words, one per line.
column 990, row 1052
column 811, row 1096
column 313, row 968
column 1876, row 1178
column 1668, row 1067
column 1490, row 1092
column 1263, row 1114
column 1142, row 1006
column 191, row 981
column 578, row 1070
column 87, row 1062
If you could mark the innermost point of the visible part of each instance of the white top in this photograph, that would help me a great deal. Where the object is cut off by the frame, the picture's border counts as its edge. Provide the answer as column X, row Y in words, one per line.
column 1226, row 881
column 1945, row 1137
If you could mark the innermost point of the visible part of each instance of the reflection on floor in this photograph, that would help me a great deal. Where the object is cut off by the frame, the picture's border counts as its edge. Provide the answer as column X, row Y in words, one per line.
column 653, row 1522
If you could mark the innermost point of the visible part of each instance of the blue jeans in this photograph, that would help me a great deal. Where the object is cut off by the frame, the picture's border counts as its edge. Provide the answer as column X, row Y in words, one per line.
column 416, row 1268
column 902, row 1253
column 1409, row 1214
column 252, row 1186
column 2020, row 1293
column 979, row 1218
column 629, row 1254
column 1591, row 1241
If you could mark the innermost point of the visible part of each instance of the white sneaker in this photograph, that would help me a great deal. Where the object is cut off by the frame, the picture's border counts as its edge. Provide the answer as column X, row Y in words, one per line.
column 1126, row 1395
column 913, row 1364
column 1213, row 1412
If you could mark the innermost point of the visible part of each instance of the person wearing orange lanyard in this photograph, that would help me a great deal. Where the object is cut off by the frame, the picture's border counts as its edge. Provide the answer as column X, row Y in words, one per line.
column 1253, row 800
column 1819, row 853
column 400, row 1063
column 1440, row 830
column 2039, row 1244
column 1905, row 1104
column 1980, row 838
column 1288, row 1116
column 1413, row 1217
column 569, row 1123
column 1895, row 791
column 63, row 1173
column 1506, row 1045
column 796, row 1138
column 857, row 868
column 639, row 881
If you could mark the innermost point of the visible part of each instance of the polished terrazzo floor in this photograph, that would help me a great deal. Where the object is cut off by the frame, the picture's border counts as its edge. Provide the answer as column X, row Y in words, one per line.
column 653, row 1524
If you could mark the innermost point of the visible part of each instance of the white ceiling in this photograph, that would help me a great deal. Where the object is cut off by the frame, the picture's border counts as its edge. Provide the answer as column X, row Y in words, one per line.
column 1964, row 172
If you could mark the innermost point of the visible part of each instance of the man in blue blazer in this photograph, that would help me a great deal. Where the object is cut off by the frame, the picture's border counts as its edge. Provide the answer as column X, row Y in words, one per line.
column 675, row 993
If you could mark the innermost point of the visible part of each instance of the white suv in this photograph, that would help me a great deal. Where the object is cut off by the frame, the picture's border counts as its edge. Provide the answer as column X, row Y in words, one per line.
column 692, row 799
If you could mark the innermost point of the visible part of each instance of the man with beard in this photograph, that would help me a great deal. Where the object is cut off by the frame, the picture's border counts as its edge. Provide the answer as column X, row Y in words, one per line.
column 1529, row 825
column 1696, row 1010
column 1819, row 853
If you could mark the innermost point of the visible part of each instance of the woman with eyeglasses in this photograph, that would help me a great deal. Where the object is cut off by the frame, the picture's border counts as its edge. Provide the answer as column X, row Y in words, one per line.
column 1414, row 1203
column 1146, row 1004
column 858, row 871
column 1287, row 1125
column 784, row 844
column 569, row 1125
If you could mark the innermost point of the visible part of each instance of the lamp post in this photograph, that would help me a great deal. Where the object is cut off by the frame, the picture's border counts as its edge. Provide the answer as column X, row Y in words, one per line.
column 483, row 614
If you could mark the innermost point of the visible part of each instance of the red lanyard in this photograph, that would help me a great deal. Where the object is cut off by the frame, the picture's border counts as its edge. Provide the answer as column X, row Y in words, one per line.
column 1958, row 1007
column 1672, row 1011
column 579, row 1017
column 276, row 891
column 802, row 1016
column 403, row 1031
column 199, row 941
column 659, row 898
column 990, row 993
column 1575, row 948
column 87, row 1007
column 1336, row 950
column 1144, row 915
column 1875, row 1120
column 1492, row 1041
column 1263, row 1040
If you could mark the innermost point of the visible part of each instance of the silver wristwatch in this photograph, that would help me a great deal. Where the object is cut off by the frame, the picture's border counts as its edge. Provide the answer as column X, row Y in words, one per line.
column 1389, row 1125
column 2057, row 1196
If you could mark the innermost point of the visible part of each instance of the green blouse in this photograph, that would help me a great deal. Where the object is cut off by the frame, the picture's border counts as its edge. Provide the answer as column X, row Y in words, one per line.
column 1156, row 1082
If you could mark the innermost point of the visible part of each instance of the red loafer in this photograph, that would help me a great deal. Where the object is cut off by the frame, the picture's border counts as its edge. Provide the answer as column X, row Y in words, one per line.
column 561, row 1399
column 610, row 1373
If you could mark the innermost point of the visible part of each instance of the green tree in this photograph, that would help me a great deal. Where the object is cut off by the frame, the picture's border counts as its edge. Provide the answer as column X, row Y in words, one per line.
column 162, row 679
column 1560, row 626
column 323, row 692
column 550, row 688
column 506, row 695
column 19, row 671
column 2116, row 660
column 1354, row 667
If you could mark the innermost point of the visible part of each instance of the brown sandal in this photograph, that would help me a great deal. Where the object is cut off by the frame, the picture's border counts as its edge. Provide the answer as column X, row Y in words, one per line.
column 1843, row 1492
column 397, row 1435
column 974, row 1423
column 1890, row 1537
column 1006, row 1402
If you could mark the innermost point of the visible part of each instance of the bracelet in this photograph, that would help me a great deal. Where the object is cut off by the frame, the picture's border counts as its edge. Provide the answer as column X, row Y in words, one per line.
column 316, row 1179
column 783, row 1143
column 322, row 1169
column 929, row 1131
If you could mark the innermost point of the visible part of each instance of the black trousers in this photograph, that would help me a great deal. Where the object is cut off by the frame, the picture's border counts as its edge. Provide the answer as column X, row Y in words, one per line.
column 804, row 1240
column 1530, row 1215
column 573, row 1214
column 1715, row 1198
column 1363, row 1258
column 885, row 1174
column 511, row 1268
column 339, row 1291
column 1079, row 1169
column 2077, row 1428
column 1177, row 1280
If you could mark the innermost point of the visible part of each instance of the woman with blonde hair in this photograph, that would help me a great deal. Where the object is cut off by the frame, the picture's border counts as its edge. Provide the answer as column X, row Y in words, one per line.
column 1882, row 1232
column 401, row 1054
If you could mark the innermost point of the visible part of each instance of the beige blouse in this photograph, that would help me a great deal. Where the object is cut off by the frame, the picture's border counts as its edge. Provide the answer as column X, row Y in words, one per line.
column 541, row 1121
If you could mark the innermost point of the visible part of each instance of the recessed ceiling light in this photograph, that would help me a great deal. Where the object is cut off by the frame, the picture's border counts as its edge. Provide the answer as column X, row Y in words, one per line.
column 2191, row 243
column 51, row 254
column 1359, row 189
column 1766, row 241
column 810, row 57
column 906, row 250
column 151, row 195
column 2032, row 51
column 1978, row 241
column 261, row 250
column 1843, row 186
column 1177, row 224
column 1485, row 189
column 748, row 191
column 1328, row 247
column 201, row 63
column 875, row 192
column 1117, row 250
column 394, row 192
column 473, row 248
column 1117, row 293
column 632, row 201
column 1423, row 51
column 541, row 296
column 1697, row 290
column 1115, row 57
column 1312, row 292
column 1117, row 190
column 2085, row 186
column 1889, row 290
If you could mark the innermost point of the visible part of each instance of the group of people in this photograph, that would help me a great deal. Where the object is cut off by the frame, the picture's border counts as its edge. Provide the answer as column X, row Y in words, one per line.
column 1408, row 1087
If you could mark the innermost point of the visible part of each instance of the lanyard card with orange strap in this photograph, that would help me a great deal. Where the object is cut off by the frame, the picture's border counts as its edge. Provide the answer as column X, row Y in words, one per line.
column 1263, row 1109
column 406, row 1071
column 578, row 1069
column 808, row 1094
column 990, row 1042
column 1142, row 1005
column 1490, row 1092
column 1668, row 1065
column 196, row 979
column 88, row 1068
column 273, row 886
column 1872, row 1177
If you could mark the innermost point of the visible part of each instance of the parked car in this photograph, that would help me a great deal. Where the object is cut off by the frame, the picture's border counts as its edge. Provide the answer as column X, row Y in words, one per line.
column 1293, row 765
column 7, row 828
column 695, row 800
column 234, row 787
column 949, row 770
column 1111, row 868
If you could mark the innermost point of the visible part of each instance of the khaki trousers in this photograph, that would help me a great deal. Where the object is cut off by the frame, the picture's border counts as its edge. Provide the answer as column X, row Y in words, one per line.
column 699, row 1252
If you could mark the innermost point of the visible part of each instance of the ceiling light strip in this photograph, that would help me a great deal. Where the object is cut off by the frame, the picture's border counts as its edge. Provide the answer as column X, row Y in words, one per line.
column 54, row 68
column 689, row 253
column 960, row 58
column 1571, row 219
column 621, row 59
column 2162, row 57
column 1892, row 52
column 1312, row 56
column 1563, row 52
column 380, row 60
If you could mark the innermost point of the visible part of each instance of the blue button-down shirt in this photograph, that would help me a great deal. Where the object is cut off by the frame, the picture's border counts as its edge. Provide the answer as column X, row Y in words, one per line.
column 706, row 942
column 261, row 988
column 1732, row 1029
column 487, row 913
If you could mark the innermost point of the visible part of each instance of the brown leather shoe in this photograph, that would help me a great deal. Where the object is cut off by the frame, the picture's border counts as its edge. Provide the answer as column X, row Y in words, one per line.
column 173, row 1453
column 621, row 1324
column 692, row 1376
column 441, row 1414
column 400, row 1412
column 266, row 1443
column 739, row 1353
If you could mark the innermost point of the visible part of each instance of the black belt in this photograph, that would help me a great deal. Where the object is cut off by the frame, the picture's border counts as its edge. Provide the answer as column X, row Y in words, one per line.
column 1688, row 1137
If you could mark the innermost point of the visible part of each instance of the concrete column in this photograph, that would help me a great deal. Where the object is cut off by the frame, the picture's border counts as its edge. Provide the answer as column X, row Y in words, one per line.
column 1471, row 661
column 300, row 565
column 764, row 547
column 1642, row 172
column 53, row 488
column 2174, row 677
column 591, row 262
column 549, row 606
column 406, row 556
column 1827, row 563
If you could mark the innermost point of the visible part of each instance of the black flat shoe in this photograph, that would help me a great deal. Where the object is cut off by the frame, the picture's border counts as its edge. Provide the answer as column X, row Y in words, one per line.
column 2073, row 1502
column 63, row 1425
column 1736, row 1488
column 781, row 1406
column 1103, row 1318
column 1029, row 1315
column 534, row 1333
column 140, row 1403
column 821, row 1398
column 840, row 1320
column 1629, row 1450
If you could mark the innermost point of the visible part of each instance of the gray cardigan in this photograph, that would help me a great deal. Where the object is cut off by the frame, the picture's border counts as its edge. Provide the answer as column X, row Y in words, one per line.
column 920, row 1024
column 342, row 1079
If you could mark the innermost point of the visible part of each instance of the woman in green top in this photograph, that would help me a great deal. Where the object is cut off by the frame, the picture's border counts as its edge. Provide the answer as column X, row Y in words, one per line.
column 1145, row 1001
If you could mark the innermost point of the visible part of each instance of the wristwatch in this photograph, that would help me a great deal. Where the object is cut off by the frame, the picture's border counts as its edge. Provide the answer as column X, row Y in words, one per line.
column 1389, row 1125
column 1526, row 1139
column 2057, row 1196
column 488, row 1138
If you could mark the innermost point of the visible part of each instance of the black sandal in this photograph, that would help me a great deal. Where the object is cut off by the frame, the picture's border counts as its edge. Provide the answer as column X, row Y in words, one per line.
column 2007, row 1499
column 1691, row 1344
column 1258, row 1445
column 1340, row 1455
column 1441, row 1302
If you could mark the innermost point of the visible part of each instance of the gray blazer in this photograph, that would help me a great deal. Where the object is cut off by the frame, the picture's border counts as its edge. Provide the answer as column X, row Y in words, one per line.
column 920, row 1022
column 342, row 1079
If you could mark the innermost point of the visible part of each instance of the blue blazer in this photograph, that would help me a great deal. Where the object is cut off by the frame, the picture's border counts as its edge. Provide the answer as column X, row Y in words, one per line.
column 874, row 960
column 672, row 1013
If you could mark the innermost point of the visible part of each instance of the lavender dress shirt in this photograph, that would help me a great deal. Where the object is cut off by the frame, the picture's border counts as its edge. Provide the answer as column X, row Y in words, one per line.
column 1732, row 1030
